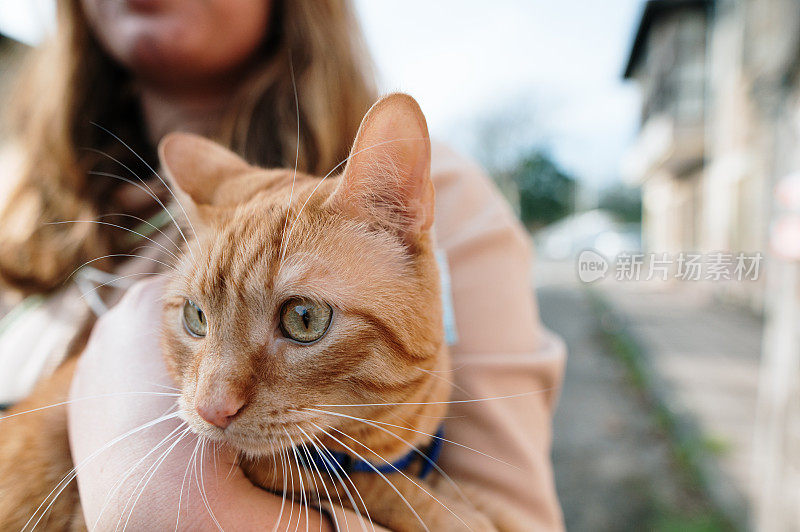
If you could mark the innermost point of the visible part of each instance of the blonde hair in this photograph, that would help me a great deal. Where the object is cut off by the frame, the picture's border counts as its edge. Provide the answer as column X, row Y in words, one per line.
column 71, row 83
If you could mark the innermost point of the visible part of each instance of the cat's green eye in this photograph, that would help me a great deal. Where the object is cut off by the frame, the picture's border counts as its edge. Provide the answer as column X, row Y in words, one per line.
column 305, row 320
column 194, row 319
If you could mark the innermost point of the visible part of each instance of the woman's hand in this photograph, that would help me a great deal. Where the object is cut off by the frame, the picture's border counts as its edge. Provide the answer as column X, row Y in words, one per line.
column 137, row 461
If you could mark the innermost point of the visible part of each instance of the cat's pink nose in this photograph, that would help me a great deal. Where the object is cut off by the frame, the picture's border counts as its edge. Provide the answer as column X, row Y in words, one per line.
column 221, row 411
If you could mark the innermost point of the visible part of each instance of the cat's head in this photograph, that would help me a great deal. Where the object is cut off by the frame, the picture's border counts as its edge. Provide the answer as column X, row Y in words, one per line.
column 299, row 295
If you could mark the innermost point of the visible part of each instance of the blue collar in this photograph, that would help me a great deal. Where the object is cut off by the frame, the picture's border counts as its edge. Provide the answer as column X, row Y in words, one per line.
column 346, row 463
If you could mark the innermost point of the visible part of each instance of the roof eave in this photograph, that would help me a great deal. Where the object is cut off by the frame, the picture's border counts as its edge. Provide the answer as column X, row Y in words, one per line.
column 652, row 10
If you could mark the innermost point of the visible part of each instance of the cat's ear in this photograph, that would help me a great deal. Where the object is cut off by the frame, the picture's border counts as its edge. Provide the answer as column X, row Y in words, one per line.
column 198, row 166
column 387, row 177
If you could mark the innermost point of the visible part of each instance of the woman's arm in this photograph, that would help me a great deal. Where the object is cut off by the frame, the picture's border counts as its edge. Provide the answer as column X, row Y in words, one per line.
column 502, row 349
column 144, row 477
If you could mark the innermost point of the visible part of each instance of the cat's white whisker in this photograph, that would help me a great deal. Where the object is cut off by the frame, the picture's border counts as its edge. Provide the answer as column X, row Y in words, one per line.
column 146, row 247
column 449, row 370
column 300, row 480
column 234, row 463
column 180, row 493
column 195, row 472
column 375, row 469
column 119, row 177
column 424, row 456
column 315, row 472
column 285, row 486
column 161, row 461
column 149, row 191
column 400, row 471
column 121, row 227
column 188, row 220
column 216, row 473
column 512, row 396
column 325, row 463
column 189, row 463
column 146, row 187
column 202, row 486
column 143, row 222
column 202, row 476
column 214, row 457
column 288, row 475
column 312, row 468
column 354, row 418
column 117, row 485
column 296, row 156
column 292, row 482
column 61, row 486
column 166, row 387
column 146, row 477
column 199, row 468
column 146, row 191
column 398, row 417
column 443, row 379
column 132, row 255
column 101, row 396
column 173, row 406
column 303, row 501
column 275, row 454
column 116, row 280
column 331, row 466
column 334, row 486
column 168, row 440
column 126, row 167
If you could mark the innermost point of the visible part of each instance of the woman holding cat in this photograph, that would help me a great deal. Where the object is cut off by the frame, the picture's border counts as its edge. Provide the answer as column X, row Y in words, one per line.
column 228, row 70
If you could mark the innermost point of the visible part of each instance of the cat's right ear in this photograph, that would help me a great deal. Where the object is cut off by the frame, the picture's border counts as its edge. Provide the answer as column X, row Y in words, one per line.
column 387, row 177
column 197, row 166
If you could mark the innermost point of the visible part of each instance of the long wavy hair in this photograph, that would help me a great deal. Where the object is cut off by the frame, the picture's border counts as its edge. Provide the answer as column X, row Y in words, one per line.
column 70, row 83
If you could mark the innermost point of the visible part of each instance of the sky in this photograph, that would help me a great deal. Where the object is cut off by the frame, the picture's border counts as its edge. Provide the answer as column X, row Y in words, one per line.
column 553, row 65
column 545, row 73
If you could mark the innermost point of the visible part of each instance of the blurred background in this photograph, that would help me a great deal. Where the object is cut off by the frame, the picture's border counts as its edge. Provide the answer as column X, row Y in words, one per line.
column 651, row 129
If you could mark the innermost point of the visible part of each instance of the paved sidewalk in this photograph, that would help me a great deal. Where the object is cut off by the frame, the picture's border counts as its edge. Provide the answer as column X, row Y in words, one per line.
column 613, row 469
column 702, row 359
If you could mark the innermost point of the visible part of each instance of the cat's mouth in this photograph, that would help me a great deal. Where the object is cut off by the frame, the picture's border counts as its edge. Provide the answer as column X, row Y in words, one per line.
column 272, row 439
column 259, row 438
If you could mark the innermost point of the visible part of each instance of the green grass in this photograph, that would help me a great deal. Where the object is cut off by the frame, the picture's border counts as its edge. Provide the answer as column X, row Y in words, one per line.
column 681, row 523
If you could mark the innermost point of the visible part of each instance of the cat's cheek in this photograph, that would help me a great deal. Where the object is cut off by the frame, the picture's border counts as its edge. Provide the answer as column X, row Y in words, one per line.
column 178, row 353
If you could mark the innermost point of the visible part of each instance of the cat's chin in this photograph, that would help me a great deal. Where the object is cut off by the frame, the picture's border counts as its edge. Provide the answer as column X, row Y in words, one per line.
column 253, row 446
column 256, row 446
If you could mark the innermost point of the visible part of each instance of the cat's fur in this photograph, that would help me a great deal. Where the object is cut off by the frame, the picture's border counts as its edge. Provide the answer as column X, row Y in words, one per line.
column 362, row 243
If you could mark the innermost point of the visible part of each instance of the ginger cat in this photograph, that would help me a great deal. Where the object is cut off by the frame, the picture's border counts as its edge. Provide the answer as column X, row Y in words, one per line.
column 307, row 309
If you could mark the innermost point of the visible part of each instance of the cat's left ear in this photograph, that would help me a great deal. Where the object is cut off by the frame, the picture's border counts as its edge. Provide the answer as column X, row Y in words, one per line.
column 198, row 166
column 387, row 177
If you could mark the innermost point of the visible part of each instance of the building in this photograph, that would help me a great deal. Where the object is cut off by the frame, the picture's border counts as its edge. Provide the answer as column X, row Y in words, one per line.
column 720, row 128
column 715, row 85
column 668, row 61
